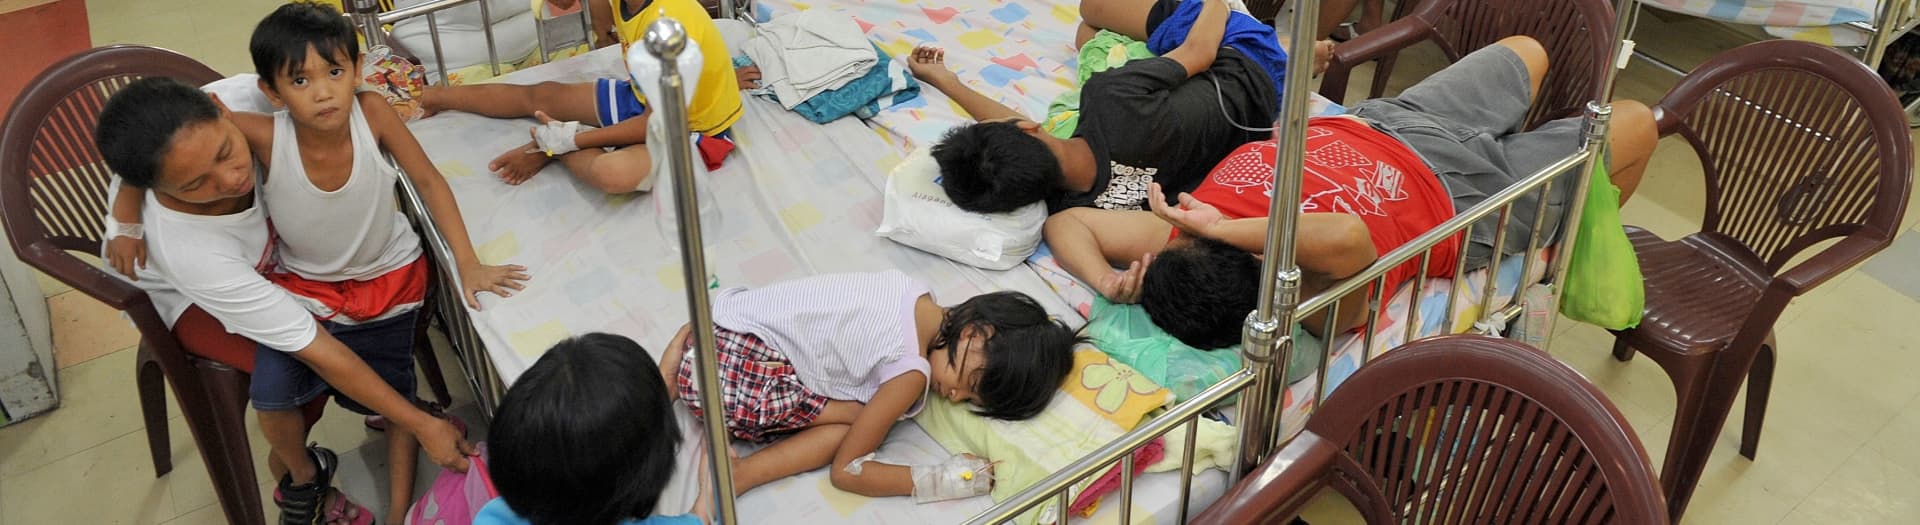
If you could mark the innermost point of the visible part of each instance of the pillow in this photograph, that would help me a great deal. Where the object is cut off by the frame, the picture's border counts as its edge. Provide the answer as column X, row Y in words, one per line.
column 241, row 93
column 918, row 214
column 1125, row 332
column 1100, row 400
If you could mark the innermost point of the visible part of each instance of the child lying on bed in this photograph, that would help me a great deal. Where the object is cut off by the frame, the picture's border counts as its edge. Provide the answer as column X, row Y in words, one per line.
column 1162, row 119
column 1366, row 191
column 587, row 437
column 825, row 365
column 347, row 253
column 211, row 243
column 615, row 104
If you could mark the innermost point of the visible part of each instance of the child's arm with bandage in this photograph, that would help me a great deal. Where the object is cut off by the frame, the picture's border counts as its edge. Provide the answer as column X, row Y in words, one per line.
column 855, row 470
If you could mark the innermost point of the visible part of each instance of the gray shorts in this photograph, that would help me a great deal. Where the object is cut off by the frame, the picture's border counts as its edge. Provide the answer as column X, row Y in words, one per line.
column 1464, row 121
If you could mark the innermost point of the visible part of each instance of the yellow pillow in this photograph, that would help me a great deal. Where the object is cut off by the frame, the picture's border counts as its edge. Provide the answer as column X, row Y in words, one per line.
column 1112, row 389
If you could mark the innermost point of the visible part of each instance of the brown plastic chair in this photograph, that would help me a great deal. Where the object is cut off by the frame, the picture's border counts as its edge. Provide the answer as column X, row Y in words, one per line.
column 1459, row 430
column 1578, row 36
column 53, row 193
column 1799, row 144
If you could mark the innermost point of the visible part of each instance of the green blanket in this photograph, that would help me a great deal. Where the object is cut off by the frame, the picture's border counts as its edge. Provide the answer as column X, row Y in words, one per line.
column 1125, row 332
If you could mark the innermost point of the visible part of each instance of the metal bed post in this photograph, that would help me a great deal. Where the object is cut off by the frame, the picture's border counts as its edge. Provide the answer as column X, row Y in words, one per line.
column 665, row 39
column 1599, row 116
column 1268, row 330
column 366, row 13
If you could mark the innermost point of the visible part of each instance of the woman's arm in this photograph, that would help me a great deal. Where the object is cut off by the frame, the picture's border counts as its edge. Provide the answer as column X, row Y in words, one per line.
column 869, row 429
column 397, row 140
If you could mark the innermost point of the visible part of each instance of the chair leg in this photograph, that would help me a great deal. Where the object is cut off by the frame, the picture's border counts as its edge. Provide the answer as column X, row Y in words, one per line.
column 151, row 381
column 1759, row 388
column 1621, row 350
column 1704, row 390
column 1382, row 70
column 216, row 413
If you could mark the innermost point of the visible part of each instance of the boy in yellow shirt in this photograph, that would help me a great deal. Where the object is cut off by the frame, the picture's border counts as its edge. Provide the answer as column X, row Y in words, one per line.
column 614, row 104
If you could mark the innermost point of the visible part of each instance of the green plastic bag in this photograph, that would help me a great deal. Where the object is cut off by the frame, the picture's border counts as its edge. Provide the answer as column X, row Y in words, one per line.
column 1604, row 286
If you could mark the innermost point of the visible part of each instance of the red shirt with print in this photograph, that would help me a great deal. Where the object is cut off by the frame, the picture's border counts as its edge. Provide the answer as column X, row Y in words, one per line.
column 1350, row 168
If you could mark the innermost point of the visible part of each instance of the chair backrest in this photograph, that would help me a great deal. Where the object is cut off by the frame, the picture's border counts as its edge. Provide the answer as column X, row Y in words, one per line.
column 1799, row 143
column 1578, row 36
column 1466, row 430
column 53, row 184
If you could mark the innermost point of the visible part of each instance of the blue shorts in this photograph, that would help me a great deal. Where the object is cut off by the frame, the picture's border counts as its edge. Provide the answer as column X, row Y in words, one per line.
column 1169, row 20
column 614, row 101
column 281, row 382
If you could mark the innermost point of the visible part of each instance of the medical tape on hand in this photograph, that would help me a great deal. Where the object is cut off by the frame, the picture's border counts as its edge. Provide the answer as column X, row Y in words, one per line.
column 556, row 137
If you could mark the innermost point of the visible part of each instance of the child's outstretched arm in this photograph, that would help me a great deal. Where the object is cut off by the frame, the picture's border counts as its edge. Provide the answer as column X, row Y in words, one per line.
column 1090, row 242
column 475, row 277
column 929, row 64
column 873, row 478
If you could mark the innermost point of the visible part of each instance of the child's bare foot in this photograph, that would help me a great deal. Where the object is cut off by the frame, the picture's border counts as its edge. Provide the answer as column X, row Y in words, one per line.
column 929, row 64
column 519, row 164
column 1322, row 55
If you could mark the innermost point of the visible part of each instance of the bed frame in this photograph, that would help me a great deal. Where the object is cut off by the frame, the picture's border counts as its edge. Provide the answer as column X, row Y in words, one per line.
column 1266, row 348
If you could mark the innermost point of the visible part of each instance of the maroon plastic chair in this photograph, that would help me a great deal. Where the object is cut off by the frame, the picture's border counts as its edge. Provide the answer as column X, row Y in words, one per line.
column 1459, row 430
column 1578, row 36
column 53, row 193
column 1799, row 144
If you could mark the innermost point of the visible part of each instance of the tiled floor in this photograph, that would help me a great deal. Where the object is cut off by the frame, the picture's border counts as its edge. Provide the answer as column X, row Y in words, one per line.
column 1837, row 447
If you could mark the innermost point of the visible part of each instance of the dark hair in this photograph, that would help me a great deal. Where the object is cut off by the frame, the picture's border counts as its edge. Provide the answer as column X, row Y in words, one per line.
column 586, row 436
column 139, row 122
column 281, row 40
column 1200, row 292
column 995, row 167
column 1028, row 352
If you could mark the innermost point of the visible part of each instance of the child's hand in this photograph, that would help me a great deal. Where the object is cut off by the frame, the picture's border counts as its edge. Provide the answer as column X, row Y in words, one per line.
column 1192, row 217
column 1123, row 287
column 929, row 64
column 749, row 77
column 444, row 444
column 126, row 254
column 501, row 280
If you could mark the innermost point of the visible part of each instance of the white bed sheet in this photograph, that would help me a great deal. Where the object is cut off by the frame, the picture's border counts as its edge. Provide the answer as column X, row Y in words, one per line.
column 797, row 198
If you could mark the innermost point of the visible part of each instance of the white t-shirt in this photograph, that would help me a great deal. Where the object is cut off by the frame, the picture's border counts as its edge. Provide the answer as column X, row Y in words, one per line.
column 353, row 233
column 845, row 333
column 217, row 262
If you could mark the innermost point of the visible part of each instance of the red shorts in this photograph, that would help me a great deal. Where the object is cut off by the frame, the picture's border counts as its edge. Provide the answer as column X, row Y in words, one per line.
column 760, row 390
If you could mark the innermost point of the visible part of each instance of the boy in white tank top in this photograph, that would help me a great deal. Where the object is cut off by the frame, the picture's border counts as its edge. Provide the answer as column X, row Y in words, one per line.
column 347, row 254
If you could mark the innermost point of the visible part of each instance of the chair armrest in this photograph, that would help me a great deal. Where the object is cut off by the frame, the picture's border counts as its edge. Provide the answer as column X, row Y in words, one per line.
column 88, row 279
column 1833, row 261
column 1374, row 45
column 1276, row 490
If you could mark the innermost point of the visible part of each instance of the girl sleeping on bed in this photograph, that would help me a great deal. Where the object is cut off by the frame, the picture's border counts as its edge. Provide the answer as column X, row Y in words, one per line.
column 822, row 367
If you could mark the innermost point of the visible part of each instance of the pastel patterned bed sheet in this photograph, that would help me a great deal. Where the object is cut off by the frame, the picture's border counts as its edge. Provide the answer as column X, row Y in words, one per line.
column 810, row 498
column 1390, row 331
column 796, row 199
column 1817, row 21
column 1019, row 52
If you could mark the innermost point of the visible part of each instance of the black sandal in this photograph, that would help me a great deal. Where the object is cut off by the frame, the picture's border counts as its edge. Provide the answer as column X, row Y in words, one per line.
column 305, row 504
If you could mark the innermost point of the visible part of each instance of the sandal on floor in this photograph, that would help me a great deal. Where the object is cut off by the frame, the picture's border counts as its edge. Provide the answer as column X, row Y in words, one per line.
column 316, row 502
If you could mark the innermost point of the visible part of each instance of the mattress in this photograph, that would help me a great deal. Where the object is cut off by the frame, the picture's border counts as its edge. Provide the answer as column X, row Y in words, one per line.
column 1818, row 21
column 797, row 199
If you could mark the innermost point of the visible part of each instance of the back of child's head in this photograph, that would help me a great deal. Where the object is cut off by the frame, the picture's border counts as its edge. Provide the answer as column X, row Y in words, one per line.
column 995, row 167
column 1028, row 352
column 281, row 40
column 586, row 436
column 1200, row 291
column 139, row 122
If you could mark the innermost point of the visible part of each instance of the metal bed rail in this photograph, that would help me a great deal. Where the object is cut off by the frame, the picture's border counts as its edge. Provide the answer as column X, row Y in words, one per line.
column 1892, row 19
column 366, row 15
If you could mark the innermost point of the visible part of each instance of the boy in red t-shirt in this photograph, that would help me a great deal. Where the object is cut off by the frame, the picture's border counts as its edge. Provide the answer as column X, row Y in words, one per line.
column 1374, row 180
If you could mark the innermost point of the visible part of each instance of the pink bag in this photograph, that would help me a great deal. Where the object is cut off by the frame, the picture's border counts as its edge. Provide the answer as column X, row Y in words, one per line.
column 455, row 498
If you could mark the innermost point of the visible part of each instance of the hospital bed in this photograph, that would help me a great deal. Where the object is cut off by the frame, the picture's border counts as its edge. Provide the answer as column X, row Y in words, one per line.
column 799, row 199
